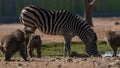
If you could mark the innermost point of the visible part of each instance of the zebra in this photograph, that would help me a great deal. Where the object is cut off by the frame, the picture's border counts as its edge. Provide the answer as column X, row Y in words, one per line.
column 60, row 22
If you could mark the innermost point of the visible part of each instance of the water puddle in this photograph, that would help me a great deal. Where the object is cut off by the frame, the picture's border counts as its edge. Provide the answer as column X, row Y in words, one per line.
column 109, row 54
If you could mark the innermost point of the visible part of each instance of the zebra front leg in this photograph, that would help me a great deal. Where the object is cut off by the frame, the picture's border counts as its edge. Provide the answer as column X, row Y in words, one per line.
column 67, row 47
column 114, row 51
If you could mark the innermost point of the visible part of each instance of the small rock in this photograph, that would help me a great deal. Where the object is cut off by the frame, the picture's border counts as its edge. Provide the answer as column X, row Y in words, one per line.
column 84, row 59
column 6, row 63
column 107, row 59
column 18, row 60
column 93, row 61
column 77, row 62
column 59, row 66
column 117, row 23
column 26, row 65
column 69, row 60
column 58, row 58
column 53, row 60
column 117, row 64
column 114, row 64
column 32, row 59
column 47, row 63
column 19, row 64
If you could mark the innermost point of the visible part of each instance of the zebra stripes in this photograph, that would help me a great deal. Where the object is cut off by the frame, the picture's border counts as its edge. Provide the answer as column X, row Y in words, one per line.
column 59, row 22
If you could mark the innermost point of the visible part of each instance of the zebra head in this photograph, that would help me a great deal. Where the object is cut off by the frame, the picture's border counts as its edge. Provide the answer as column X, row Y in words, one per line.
column 91, row 46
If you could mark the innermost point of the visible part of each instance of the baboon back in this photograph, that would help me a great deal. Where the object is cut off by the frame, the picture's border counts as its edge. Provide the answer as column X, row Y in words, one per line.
column 113, row 38
column 12, row 43
column 34, row 42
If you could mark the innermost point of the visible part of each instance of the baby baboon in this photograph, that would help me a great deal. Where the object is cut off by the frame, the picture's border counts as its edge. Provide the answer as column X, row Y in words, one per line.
column 34, row 42
column 113, row 39
column 12, row 43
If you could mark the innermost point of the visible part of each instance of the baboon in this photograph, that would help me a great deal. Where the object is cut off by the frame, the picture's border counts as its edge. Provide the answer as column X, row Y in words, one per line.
column 34, row 41
column 113, row 39
column 12, row 43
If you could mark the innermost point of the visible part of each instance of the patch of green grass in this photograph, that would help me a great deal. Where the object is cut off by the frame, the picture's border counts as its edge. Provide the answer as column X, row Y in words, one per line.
column 78, row 47
column 1, row 54
column 57, row 49
column 103, row 47
column 53, row 49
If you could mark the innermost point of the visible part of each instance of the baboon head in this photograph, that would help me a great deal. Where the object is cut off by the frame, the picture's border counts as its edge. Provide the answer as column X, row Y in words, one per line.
column 112, row 33
column 35, row 38
column 19, row 35
column 27, row 34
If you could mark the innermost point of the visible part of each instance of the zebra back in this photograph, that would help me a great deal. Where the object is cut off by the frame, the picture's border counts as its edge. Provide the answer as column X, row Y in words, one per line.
column 55, row 22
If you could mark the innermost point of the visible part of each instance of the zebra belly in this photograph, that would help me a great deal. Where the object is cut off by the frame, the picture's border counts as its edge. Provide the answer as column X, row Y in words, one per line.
column 52, row 32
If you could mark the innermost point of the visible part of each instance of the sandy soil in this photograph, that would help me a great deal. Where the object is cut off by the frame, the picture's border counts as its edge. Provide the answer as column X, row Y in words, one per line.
column 47, row 62
column 100, row 26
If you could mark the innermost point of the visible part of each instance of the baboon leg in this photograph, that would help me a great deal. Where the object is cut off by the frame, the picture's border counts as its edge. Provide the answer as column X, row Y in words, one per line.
column 8, row 56
column 3, row 50
column 29, row 48
column 22, row 50
column 23, row 54
column 28, row 54
column 31, row 52
column 114, row 52
column 38, row 52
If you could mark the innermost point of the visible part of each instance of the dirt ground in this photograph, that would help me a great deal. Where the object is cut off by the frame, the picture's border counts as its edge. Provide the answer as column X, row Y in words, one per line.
column 101, row 25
